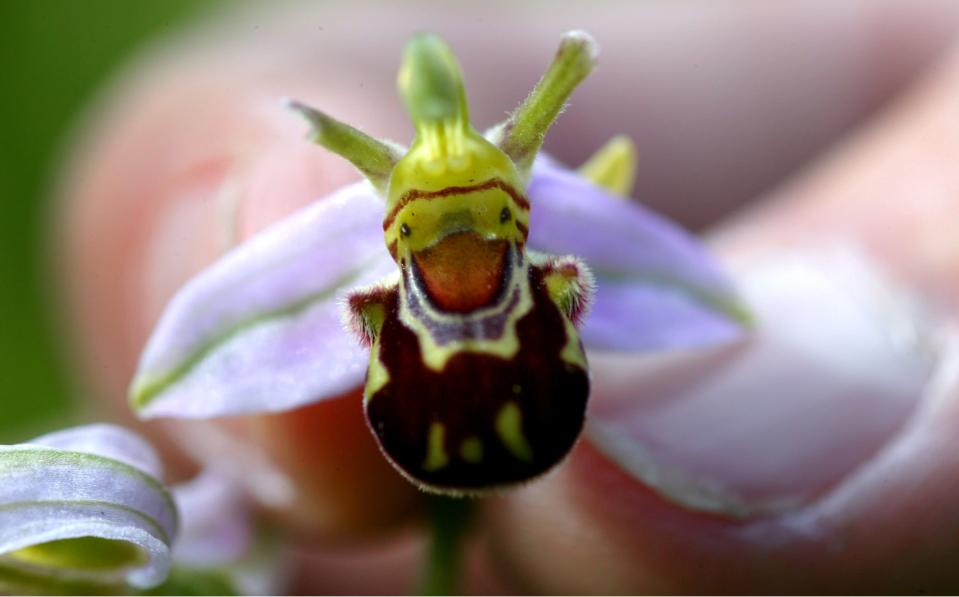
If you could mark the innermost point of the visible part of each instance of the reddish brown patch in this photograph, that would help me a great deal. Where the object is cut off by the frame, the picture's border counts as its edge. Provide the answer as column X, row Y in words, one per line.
column 463, row 272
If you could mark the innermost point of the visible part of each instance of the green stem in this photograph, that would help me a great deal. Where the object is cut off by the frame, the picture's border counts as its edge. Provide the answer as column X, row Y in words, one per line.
column 449, row 520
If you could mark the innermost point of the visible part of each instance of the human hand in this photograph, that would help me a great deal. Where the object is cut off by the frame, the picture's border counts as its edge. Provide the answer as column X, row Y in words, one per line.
column 198, row 157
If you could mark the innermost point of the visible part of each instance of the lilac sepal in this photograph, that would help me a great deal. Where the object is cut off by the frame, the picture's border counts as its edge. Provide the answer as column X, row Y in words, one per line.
column 261, row 329
column 657, row 287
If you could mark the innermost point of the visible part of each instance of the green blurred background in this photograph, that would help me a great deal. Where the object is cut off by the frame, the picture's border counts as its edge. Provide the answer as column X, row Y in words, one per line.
column 54, row 54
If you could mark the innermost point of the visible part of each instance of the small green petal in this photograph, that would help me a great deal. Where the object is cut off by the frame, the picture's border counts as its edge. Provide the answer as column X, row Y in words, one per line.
column 522, row 134
column 613, row 167
column 373, row 158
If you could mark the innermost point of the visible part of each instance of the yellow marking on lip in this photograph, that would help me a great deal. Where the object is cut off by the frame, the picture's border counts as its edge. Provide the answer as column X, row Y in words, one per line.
column 509, row 427
column 471, row 450
column 436, row 457
column 572, row 352
column 377, row 375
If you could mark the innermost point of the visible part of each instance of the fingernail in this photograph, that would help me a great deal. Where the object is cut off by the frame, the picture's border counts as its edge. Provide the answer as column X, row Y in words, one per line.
column 836, row 366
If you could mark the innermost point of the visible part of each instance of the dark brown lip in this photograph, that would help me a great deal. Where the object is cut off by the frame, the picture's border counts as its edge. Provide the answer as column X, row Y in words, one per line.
column 463, row 271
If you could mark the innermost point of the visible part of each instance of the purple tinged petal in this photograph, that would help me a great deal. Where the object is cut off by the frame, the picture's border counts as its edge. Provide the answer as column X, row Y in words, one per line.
column 632, row 316
column 217, row 535
column 50, row 492
column 216, row 521
column 260, row 329
column 657, row 286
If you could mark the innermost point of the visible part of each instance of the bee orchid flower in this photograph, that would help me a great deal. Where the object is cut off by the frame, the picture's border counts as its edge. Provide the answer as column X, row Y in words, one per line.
column 455, row 281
